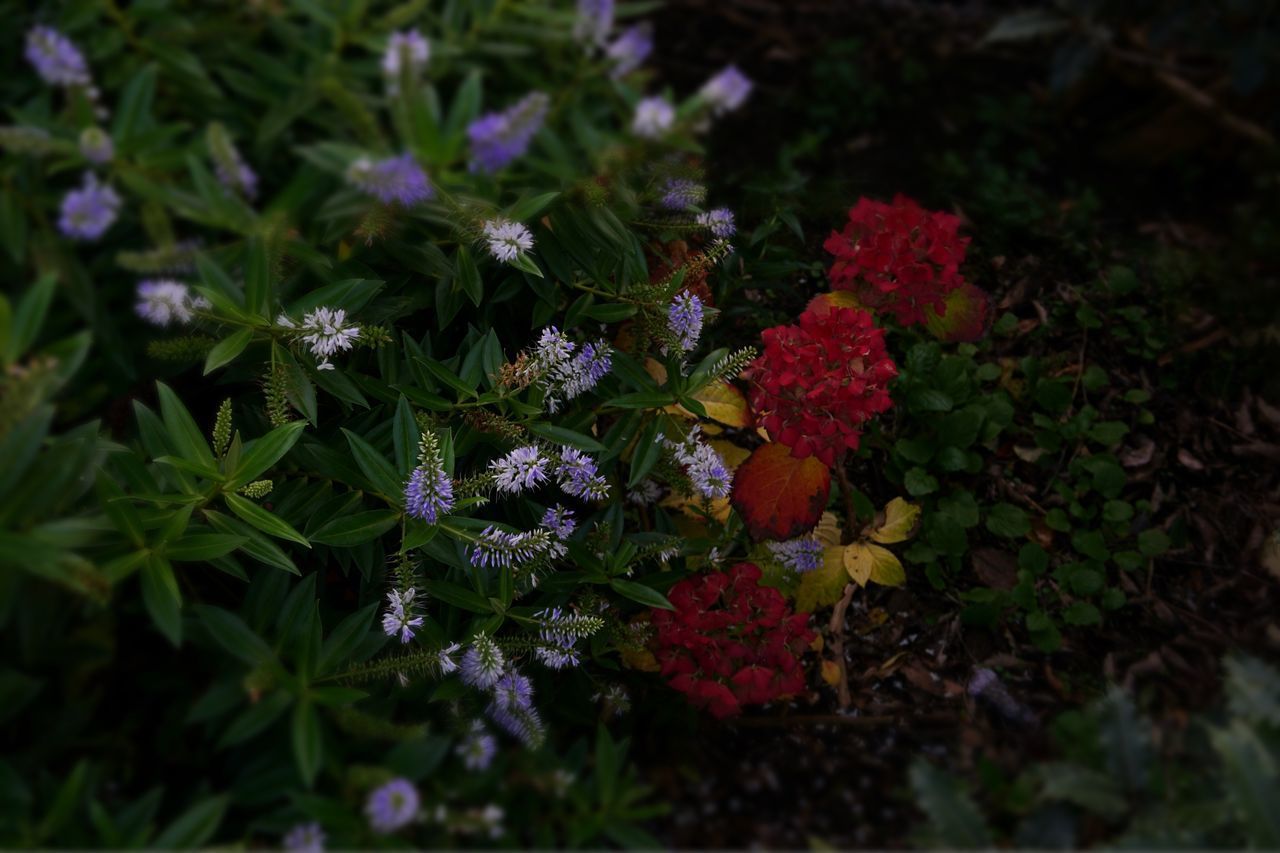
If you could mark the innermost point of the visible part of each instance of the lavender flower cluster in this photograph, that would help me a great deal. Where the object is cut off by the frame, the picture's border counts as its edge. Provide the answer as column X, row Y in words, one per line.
column 392, row 180
column 325, row 331
column 798, row 555
column 165, row 301
column 485, row 668
column 498, row 138
column 406, row 53
column 702, row 464
column 429, row 492
column 564, row 370
column 507, row 240
column 400, row 618
column 89, row 211
column 684, row 320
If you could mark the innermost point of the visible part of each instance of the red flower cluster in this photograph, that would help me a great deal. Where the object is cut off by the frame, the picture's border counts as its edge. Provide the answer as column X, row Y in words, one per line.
column 816, row 383
column 731, row 642
column 898, row 257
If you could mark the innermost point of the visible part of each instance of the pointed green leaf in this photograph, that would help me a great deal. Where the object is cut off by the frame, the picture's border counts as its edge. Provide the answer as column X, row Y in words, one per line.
column 270, row 524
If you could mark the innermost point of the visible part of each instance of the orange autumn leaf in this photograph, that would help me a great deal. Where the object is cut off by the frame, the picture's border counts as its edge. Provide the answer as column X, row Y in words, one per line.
column 966, row 317
column 779, row 496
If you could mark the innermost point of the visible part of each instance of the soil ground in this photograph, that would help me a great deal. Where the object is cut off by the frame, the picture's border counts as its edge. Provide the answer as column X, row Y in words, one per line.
column 916, row 79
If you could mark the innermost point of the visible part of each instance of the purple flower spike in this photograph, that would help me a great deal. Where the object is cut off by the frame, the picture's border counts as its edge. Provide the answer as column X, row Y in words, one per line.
column 500, row 137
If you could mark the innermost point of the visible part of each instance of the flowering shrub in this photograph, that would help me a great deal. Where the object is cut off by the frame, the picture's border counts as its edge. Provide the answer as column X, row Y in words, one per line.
column 365, row 380
column 818, row 381
column 898, row 257
column 368, row 309
column 730, row 642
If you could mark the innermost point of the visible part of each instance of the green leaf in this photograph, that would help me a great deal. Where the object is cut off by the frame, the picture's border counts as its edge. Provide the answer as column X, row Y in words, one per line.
column 447, row 376
column 234, row 635
column 919, row 482
column 954, row 820
column 257, row 276
column 647, row 453
column 264, row 453
column 1005, row 519
column 467, row 276
column 133, row 112
column 1253, row 690
column 638, row 592
column 642, row 400
column 194, row 827
column 1082, row 613
column 525, row 263
column 260, row 518
column 1109, row 433
column 1072, row 783
column 457, row 596
column 226, row 350
column 527, row 208
column 308, row 744
column 201, row 547
column 405, row 437
column 29, row 316
column 1153, row 542
column 258, row 546
column 611, row 312
column 1125, row 740
column 218, row 282
column 161, row 597
column 181, row 428
column 256, row 718
column 346, row 638
column 119, row 509
column 382, row 477
column 349, row 530
column 567, row 437
column 1251, row 781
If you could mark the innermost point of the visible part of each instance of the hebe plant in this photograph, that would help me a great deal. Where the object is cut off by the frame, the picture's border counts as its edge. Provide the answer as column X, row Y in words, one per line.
column 402, row 268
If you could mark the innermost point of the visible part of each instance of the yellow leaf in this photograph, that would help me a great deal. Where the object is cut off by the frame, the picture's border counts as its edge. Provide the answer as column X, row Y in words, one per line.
column 732, row 454
column 656, row 369
column 828, row 530
column 723, row 402
column 825, row 584
column 900, row 520
column 831, row 672
column 857, row 562
column 865, row 562
column 641, row 659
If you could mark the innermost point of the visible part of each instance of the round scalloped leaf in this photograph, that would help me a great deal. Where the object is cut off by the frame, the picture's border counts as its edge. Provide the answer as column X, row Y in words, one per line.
column 779, row 496
column 967, row 316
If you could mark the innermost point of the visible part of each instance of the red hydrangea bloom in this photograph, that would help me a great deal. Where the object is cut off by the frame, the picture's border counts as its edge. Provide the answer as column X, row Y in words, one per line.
column 731, row 642
column 898, row 257
column 816, row 383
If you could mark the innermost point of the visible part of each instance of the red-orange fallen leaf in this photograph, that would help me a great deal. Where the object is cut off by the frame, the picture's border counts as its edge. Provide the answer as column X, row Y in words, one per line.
column 967, row 316
column 779, row 496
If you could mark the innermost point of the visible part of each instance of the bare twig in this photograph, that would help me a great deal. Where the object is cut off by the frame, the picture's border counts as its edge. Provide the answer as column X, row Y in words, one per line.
column 836, row 629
